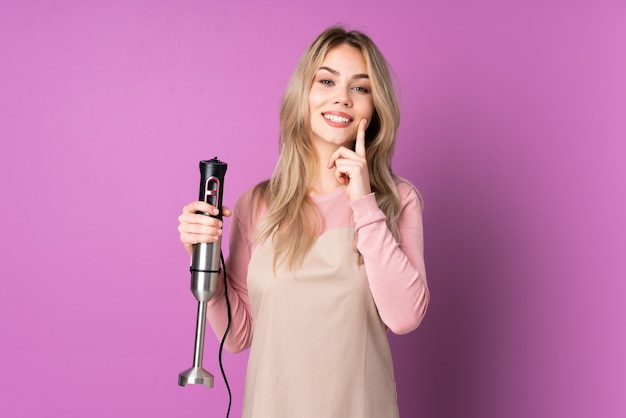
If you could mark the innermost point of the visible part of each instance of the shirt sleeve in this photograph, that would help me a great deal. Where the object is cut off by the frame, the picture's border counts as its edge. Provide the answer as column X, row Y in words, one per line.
column 240, row 251
column 395, row 270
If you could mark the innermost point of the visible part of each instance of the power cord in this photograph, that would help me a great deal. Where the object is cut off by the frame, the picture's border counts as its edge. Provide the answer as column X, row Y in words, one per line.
column 230, row 396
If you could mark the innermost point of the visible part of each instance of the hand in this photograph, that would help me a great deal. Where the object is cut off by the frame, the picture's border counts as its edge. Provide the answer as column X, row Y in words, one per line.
column 195, row 228
column 351, row 166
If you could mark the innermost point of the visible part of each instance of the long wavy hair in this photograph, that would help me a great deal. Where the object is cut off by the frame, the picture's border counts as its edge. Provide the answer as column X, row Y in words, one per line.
column 291, row 219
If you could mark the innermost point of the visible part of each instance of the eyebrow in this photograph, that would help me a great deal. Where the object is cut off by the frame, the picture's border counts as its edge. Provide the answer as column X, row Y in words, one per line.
column 335, row 72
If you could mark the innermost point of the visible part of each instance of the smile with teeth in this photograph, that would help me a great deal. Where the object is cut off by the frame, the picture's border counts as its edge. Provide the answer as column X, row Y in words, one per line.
column 337, row 119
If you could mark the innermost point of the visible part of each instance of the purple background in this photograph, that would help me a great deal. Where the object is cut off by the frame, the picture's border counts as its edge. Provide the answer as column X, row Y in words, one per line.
column 514, row 129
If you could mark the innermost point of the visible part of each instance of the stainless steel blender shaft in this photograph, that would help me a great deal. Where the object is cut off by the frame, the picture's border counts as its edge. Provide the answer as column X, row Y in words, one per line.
column 196, row 374
column 205, row 269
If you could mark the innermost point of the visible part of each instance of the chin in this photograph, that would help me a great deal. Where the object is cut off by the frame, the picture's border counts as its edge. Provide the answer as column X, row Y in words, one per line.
column 340, row 140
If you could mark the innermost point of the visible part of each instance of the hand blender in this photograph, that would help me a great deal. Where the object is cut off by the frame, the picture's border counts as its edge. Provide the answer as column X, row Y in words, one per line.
column 205, row 268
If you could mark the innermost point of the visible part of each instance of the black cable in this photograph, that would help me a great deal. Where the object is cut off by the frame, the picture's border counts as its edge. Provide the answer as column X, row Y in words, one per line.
column 230, row 395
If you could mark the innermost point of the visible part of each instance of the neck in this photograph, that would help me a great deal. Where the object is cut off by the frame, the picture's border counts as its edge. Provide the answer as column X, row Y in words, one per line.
column 324, row 181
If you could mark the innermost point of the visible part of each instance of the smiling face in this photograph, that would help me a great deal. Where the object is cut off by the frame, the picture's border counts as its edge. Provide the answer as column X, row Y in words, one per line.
column 340, row 97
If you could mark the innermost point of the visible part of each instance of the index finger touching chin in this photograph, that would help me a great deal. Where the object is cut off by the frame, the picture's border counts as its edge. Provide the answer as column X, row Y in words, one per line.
column 360, row 138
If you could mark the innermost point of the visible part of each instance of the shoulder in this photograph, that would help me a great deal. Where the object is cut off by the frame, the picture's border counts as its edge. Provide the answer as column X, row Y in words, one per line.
column 243, row 201
column 250, row 203
column 408, row 193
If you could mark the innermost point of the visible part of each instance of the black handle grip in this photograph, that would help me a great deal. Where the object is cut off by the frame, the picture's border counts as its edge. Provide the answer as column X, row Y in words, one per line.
column 212, row 174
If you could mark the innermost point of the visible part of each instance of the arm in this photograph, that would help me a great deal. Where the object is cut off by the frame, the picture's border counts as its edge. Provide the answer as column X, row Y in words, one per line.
column 395, row 271
column 240, row 250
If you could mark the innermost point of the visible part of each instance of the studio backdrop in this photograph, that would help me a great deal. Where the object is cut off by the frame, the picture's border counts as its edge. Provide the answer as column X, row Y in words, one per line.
column 513, row 128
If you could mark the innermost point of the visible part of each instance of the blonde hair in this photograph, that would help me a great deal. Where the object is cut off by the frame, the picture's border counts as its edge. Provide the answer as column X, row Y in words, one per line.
column 291, row 218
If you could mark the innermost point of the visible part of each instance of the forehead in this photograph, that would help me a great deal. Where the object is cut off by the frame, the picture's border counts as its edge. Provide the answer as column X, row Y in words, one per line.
column 345, row 59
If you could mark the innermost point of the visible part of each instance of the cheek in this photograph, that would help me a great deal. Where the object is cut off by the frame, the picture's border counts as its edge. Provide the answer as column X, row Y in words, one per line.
column 367, row 110
column 315, row 99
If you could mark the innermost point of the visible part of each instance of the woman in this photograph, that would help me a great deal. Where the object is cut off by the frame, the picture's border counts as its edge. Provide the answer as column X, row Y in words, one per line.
column 326, row 255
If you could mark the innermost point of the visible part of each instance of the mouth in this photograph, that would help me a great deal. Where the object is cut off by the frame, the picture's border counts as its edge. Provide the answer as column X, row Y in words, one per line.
column 339, row 119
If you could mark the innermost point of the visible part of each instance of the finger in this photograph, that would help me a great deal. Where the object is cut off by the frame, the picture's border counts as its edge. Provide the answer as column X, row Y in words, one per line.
column 211, row 210
column 199, row 218
column 346, row 168
column 199, row 231
column 194, row 233
column 202, row 219
column 341, row 152
column 226, row 211
column 360, row 138
column 189, row 239
column 200, row 206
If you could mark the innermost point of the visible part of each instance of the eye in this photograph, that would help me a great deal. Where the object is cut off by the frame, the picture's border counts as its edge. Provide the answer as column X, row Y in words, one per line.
column 361, row 89
column 326, row 82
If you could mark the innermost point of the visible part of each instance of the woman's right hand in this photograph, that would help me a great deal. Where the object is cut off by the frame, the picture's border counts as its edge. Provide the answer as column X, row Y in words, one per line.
column 196, row 227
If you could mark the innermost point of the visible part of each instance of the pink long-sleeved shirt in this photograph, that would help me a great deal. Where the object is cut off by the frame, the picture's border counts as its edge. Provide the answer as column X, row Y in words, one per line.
column 395, row 270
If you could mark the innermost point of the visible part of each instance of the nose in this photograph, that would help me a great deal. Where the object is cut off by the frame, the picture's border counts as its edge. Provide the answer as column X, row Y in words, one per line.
column 343, row 98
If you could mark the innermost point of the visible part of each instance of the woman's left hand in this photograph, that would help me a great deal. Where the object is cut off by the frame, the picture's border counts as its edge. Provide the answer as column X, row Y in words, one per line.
column 351, row 166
